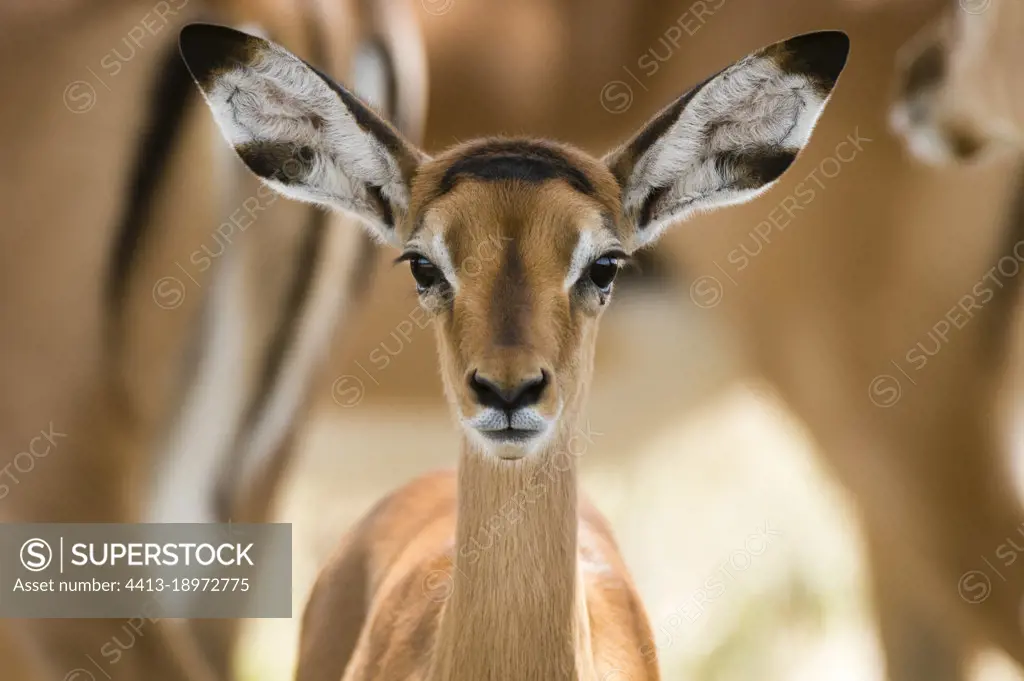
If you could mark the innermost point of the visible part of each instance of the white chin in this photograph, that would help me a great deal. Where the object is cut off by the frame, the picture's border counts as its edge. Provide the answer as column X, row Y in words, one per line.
column 511, row 452
column 508, row 446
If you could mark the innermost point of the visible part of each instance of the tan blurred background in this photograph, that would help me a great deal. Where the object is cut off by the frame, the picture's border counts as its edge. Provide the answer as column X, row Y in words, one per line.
column 733, row 393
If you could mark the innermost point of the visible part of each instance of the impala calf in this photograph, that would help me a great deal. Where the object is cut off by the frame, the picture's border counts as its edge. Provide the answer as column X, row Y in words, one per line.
column 549, row 596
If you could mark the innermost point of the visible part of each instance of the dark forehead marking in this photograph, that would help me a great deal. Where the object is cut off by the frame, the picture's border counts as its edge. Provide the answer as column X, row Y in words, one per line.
column 515, row 160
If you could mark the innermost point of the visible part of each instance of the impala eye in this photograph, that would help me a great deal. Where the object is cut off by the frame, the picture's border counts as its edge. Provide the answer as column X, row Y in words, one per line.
column 602, row 272
column 426, row 273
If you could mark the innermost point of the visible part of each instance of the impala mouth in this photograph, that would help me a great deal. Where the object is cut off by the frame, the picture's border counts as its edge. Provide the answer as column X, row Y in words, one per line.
column 511, row 435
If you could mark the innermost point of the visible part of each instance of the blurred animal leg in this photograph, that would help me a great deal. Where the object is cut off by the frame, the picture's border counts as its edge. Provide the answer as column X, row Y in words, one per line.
column 218, row 638
column 917, row 646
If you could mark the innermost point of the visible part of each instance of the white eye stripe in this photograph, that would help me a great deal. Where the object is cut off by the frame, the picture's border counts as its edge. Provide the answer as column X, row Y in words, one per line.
column 429, row 240
column 443, row 260
column 582, row 255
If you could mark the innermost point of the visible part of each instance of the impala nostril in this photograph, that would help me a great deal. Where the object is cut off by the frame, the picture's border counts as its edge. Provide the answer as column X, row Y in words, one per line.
column 490, row 393
column 487, row 392
column 531, row 391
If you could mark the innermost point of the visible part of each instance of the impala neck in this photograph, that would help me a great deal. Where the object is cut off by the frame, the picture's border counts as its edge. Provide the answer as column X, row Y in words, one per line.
column 517, row 609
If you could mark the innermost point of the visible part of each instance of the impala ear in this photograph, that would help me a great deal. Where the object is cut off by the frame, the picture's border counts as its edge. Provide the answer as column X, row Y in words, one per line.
column 301, row 133
column 731, row 137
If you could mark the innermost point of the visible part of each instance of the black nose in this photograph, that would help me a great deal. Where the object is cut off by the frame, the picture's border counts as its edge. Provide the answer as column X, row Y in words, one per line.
column 491, row 394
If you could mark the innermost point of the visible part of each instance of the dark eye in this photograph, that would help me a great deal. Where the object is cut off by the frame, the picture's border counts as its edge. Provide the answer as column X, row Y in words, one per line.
column 603, row 272
column 426, row 273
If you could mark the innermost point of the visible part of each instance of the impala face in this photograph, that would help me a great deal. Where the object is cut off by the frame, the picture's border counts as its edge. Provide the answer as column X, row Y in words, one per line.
column 513, row 245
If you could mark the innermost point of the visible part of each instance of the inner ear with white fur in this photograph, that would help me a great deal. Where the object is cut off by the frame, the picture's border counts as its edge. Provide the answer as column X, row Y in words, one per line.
column 731, row 137
column 300, row 132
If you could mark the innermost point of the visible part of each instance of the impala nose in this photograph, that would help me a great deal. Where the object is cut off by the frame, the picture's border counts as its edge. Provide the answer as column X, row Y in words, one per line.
column 507, row 398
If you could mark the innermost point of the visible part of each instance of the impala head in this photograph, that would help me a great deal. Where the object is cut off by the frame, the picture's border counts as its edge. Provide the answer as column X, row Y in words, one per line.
column 514, row 244
column 960, row 84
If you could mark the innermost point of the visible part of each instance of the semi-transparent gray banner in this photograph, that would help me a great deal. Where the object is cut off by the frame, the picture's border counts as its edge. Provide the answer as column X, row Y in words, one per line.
column 145, row 570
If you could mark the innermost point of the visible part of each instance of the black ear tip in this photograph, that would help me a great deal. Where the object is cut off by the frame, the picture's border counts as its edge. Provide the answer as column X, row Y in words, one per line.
column 207, row 48
column 198, row 36
column 821, row 55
